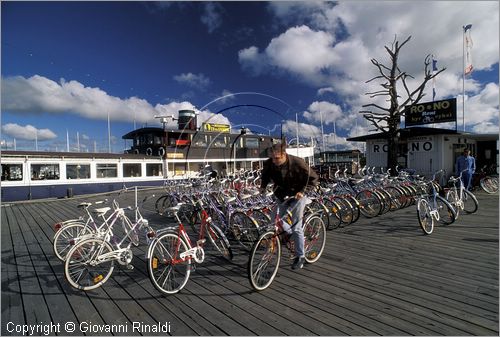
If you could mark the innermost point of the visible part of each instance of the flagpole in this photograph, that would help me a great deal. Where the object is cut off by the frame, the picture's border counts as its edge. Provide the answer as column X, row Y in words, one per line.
column 463, row 77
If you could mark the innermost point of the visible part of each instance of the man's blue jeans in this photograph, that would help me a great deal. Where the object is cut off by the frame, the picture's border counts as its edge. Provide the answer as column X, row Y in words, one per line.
column 467, row 180
column 297, row 208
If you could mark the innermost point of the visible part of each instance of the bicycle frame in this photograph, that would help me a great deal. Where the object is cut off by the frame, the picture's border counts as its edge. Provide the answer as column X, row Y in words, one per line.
column 197, row 252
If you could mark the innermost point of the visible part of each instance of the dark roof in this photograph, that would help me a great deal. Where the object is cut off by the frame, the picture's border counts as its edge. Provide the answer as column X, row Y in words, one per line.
column 406, row 133
column 48, row 154
column 149, row 130
column 341, row 152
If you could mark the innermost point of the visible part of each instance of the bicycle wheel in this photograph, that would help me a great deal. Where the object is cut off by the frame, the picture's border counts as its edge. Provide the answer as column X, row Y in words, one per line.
column 263, row 219
column 64, row 239
column 370, row 203
column 165, row 202
column 188, row 213
column 82, row 268
column 397, row 197
column 219, row 241
column 446, row 211
column 489, row 184
column 319, row 208
column 314, row 238
column 168, row 272
column 386, row 199
column 425, row 218
column 244, row 229
column 264, row 261
column 470, row 202
column 452, row 197
column 334, row 220
column 346, row 211
column 355, row 207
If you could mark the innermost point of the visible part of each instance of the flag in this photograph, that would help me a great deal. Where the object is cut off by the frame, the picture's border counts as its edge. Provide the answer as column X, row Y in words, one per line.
column 468, row 47
column 434, row 68
column 434, row 64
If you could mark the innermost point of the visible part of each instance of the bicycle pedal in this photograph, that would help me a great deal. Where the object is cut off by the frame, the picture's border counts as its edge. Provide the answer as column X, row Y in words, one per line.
column 200, row 242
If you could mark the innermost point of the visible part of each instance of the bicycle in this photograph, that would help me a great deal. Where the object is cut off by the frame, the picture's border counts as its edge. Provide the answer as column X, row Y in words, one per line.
column 265, row 255
column 489, row 184
column 171, row 253
column 70, row 231
column 90, row 263
column 433, row 207
column 487, row 178
column 460, row 197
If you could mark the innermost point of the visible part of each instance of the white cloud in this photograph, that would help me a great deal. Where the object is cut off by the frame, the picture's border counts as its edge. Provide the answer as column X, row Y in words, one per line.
column 482, row 109
column 300, row 51
column 199, row 81
column 27, row 132
column 252, row 61
column 40, row 95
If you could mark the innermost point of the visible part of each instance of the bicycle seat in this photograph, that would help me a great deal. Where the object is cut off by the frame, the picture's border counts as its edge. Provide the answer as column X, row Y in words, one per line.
column 173, row 208
column 229, row 199
column 84, row 205
column 245, row 196
column 101, row 211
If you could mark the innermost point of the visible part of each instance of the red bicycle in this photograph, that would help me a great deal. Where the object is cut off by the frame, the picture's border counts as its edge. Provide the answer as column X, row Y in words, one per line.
column 265, row 255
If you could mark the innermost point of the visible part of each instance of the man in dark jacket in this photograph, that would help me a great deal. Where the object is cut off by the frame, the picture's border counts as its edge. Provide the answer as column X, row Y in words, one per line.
column 290, row 175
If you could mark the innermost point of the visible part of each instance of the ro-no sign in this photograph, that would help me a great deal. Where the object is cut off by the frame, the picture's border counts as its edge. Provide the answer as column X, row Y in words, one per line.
column 426, row 146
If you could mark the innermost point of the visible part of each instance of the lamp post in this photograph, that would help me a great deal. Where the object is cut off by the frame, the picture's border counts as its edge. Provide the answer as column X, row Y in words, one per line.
column 243, row 131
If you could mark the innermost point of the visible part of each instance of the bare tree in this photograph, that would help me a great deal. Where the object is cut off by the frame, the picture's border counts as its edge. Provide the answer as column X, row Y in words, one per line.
column 388, row 119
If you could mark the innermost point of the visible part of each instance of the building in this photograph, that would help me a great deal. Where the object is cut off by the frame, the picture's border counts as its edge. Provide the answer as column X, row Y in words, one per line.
column 428, row 150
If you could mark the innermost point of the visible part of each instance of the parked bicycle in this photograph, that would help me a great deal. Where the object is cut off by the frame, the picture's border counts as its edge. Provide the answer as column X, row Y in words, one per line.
column 487, row 178
column 90, row 263
column 70, row 231
column 432, row 207
column 172, row 254
column 460, row 197
column 265, row 255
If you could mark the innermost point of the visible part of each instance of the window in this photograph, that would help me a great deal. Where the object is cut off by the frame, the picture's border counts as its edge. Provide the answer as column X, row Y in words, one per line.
column 252, row 143
column 132, row 170
column 106, row 170
column 154, row 170
column 200, row 141
column 219, row 141
column 77, row 171
column 12, row 172
column 44, row 171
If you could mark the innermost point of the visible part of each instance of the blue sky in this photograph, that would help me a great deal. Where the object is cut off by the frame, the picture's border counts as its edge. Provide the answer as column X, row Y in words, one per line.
column 66, row 66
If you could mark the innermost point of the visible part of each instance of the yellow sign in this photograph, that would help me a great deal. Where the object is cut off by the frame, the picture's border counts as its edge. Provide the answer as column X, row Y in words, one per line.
column 217, row 127
column 175, row 155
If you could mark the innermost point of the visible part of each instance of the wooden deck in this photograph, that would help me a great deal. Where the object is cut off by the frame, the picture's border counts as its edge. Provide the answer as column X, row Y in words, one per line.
column 378, row 276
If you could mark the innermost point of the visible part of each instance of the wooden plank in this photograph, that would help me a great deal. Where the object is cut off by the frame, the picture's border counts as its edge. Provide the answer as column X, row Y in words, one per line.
column 12, row 305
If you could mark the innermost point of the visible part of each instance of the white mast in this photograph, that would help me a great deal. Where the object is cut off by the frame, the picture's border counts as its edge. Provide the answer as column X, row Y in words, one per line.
column 109, row 135
column 297, row 131
column 67, row 141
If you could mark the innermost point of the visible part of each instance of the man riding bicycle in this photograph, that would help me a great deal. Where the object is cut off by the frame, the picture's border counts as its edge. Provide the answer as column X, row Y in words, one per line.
column 290, row 175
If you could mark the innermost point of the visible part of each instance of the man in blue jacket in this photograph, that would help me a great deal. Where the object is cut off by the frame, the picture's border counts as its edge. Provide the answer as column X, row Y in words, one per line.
column 468, row 163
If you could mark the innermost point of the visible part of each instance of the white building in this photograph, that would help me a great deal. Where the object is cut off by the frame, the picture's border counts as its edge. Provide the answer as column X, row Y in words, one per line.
column 428, row 150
